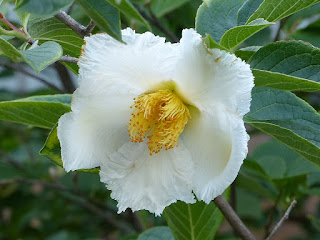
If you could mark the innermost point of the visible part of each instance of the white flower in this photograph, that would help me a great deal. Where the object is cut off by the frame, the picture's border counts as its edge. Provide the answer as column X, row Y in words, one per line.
column 162, row 120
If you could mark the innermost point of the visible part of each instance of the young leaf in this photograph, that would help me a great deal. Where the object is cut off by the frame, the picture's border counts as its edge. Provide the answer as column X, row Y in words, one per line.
column 287, row 118
column 43, row 7
column 292, row 65
column 156, row 233
column 53, row 30
column 129, row 10
column 106, row 16
column 210, row 43
column 274, row 10
column 198, row 221
column 41, row 57
column 235, row 36
column 52, row 150
column 40, row 111
column 8, row 50
column 215, row 17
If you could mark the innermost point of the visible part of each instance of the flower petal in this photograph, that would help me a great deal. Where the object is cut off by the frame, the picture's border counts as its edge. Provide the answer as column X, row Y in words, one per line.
column 142, row 63
column 218, row 145
column 95, row 128
column 140, row 181
column 207, row 77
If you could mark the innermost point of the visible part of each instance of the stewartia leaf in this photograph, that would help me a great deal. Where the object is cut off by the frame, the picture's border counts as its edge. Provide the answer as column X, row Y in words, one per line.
column 39, row 111
column 8, row 50
column 274, row 10
column 106, row 16
column 287, row 118
column 292, row 65
column 42, row 56
column 43, row 7
column 157, row 233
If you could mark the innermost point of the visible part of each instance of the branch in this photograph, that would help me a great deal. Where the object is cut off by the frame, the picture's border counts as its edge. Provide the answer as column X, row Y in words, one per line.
column 272, row 212
column 19, row 68
column 285, row 217
column 233, row 218
column 82, row 202
column 79, row 29
column 69, row 59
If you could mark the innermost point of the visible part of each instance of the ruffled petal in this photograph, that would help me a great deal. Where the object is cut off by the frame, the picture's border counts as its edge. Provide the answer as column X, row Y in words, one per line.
column 218, row 145
column 140, row 181
column 207, row 77
column 140, row 64
column 95, row 128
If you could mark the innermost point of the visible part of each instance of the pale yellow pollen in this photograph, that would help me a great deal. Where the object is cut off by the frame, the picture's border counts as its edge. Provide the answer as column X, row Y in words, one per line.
column 161, row 117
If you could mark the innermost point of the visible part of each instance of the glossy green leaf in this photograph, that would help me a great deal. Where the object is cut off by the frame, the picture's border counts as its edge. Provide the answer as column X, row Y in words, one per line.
column 43, row 7
column 52, row 150
column 287, row 118
column 215, row 17
column 8, row 50
column 162, row 7
column 247, row 9
column 274, row 10
column 210, row 43
column 297, row 64
column 198, row 221
column 280, row 162
column 156, row 233
column 106, row 16
column 235, row 36
column 53, row 30
column 41, row 57
column 129, row 10
column 40, row 111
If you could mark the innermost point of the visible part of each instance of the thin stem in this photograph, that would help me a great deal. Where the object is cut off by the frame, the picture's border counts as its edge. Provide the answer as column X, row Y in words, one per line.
column 285, row 217
column 19, row 68
column 90, row 27
column 272, row 212
column 65, row 78
column 233, row 218
column 69, row 59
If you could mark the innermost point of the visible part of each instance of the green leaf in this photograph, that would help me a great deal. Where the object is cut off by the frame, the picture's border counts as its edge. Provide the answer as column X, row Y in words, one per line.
column 210, row 43
column 280, row 162
column 247, row 52
column 274, row 10
column 52, row 150
column 53, row 30
column 41, row 57
column 156, row 233
column 198, row 221
column 22, row 15
column 287, row 118
column 8, row 50
column 40, row 111
column 106, row 16
column 162, row 7
column 235, row 36
column 247, row 9
column 297, row 64
column 129, row 10
column 43, row 7
column 215, row 17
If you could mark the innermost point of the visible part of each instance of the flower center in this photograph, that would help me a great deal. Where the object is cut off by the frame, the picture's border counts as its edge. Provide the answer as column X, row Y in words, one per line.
column 161, row 116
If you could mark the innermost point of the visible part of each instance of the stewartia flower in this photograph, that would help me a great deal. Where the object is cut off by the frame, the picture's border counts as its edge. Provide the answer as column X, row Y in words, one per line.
column 163, row 121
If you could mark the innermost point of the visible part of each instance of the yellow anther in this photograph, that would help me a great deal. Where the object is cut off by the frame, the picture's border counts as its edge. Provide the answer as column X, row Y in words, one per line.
column 161, row 116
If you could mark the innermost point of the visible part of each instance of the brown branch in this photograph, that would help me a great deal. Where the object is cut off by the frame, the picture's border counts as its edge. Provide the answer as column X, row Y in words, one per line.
column 272, row 212
column 65, row 78
column 19, row 68
column 285, row 217
column 79, row 29
column 233, row 218
column 69, row 59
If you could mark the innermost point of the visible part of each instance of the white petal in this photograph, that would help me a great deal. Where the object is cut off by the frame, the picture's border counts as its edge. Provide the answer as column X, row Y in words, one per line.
column 207, row 77
column 95, row 128
column 218, row 145
column 140, row 64
column 140, row 181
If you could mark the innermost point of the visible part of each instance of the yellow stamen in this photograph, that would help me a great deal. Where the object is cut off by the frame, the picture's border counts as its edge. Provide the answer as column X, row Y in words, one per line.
column 161, row 116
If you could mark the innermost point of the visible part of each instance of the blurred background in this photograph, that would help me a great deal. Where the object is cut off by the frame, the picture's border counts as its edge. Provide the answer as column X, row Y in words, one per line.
column 39, row 200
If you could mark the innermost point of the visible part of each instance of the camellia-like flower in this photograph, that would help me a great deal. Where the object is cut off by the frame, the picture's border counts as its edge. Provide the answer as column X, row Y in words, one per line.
column 163, row 121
